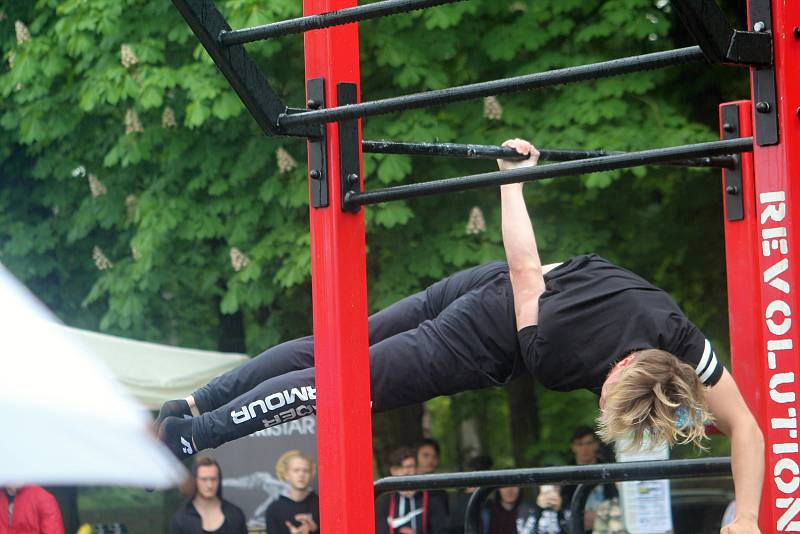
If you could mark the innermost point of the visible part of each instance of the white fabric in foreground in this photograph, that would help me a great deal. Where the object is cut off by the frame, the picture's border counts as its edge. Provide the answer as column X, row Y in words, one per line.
column 65, row 419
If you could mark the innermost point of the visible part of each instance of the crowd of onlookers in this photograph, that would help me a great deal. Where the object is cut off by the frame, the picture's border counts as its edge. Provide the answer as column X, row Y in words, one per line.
column 295, row 512
column 511, row 510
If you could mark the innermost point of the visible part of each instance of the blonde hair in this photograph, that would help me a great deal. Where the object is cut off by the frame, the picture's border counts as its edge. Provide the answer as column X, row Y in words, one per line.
column 657, row 398
column 283, row 463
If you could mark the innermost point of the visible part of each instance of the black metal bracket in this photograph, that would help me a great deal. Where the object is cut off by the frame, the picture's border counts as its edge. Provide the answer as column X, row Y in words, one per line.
column 317, row 147
column 239, row 69
column 734, row 196
column 719, row 41
column 349, row 162
column 765, row 98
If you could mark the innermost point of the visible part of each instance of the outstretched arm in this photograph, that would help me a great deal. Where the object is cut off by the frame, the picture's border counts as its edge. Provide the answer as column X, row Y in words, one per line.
column 747, row 452
column 524, row 265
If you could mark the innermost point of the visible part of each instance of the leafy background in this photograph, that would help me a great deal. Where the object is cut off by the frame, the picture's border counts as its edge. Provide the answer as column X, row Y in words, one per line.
column 138, row 197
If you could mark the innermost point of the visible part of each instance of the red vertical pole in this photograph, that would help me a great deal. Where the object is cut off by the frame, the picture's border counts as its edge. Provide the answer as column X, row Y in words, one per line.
column 338, row 266
column 744, row 273
column 762, row 274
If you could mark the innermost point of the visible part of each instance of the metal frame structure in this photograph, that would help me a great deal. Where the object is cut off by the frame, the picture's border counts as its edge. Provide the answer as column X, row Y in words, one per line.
column 761, row 204
column 759, row 211
column 471, row 151
column 586, row 476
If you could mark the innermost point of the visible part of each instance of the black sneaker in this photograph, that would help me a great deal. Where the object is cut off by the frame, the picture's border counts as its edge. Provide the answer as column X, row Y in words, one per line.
column 176, row 434
column 173, row 408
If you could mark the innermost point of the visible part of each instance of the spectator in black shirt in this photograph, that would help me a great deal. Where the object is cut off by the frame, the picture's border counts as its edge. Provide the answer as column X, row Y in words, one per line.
column 585, row 323
column 206, row 512
column 297, row 513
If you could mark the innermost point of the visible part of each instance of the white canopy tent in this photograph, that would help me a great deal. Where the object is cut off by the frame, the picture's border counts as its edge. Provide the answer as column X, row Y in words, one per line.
column 155, row 373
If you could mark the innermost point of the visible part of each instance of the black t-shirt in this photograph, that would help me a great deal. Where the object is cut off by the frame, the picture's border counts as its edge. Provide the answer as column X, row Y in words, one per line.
column 284, row 509
column 187, row 520
column 594, row 313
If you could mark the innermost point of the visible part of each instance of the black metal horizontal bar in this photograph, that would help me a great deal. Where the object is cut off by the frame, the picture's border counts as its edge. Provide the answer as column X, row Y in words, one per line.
column 455, row 150
column 568, row 474
column 326, row 20
column 554, row 170
column 526, row 82
column 471, row 151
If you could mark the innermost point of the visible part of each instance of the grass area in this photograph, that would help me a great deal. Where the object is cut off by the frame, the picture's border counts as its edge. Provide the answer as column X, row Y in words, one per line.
column 100, row 498
column 139, row 510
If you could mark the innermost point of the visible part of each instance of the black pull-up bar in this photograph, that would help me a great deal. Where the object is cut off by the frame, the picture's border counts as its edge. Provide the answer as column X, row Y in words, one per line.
column 562, row 474
column 569, row 168
column 526, row 82
column 326, row 20
column 472, row 151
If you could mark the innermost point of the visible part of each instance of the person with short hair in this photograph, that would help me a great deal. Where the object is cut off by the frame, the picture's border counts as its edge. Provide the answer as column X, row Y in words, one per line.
column 584, row 323
column 585, row 448
column 297, row 512
column 206, row 512
column 428, row 452
column 408, row 512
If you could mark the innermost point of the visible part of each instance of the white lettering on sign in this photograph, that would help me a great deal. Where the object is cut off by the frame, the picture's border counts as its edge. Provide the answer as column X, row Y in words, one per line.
column 783, row 387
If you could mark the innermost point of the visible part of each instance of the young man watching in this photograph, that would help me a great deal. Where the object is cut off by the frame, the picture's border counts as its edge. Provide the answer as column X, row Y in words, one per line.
column 586, row 449
column 427, row 456
column 427, row 462
column 408, row 512
column 297, row 513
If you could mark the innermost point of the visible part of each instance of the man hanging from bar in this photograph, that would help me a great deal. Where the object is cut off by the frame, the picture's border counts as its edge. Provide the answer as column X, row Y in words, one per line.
column 580, row 324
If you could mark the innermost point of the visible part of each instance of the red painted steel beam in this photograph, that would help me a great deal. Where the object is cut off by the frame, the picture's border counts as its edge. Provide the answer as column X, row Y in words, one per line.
column 763, row 253
column 338, row 266
column 743, row 273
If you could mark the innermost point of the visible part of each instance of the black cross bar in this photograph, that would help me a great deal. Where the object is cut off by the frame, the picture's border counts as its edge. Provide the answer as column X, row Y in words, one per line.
column 472, row 151
column 455, row 150
column 562, row 474
column 554, row 170
column 326, row 20
column 579, row 73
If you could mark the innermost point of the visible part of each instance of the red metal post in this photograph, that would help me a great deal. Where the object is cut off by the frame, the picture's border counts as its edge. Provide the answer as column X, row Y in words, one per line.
column 338, row 265
column 762, row 255
column 743, row 269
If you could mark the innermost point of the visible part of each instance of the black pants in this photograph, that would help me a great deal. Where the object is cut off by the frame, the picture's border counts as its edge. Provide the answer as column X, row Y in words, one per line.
column 458, row 334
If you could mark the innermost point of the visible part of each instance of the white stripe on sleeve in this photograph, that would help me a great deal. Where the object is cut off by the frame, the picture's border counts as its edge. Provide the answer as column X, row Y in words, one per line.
column 701, row 367
column 711, row 368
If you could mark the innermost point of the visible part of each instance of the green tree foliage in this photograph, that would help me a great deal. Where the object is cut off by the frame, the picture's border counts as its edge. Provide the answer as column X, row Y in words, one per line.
column 139, row 197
